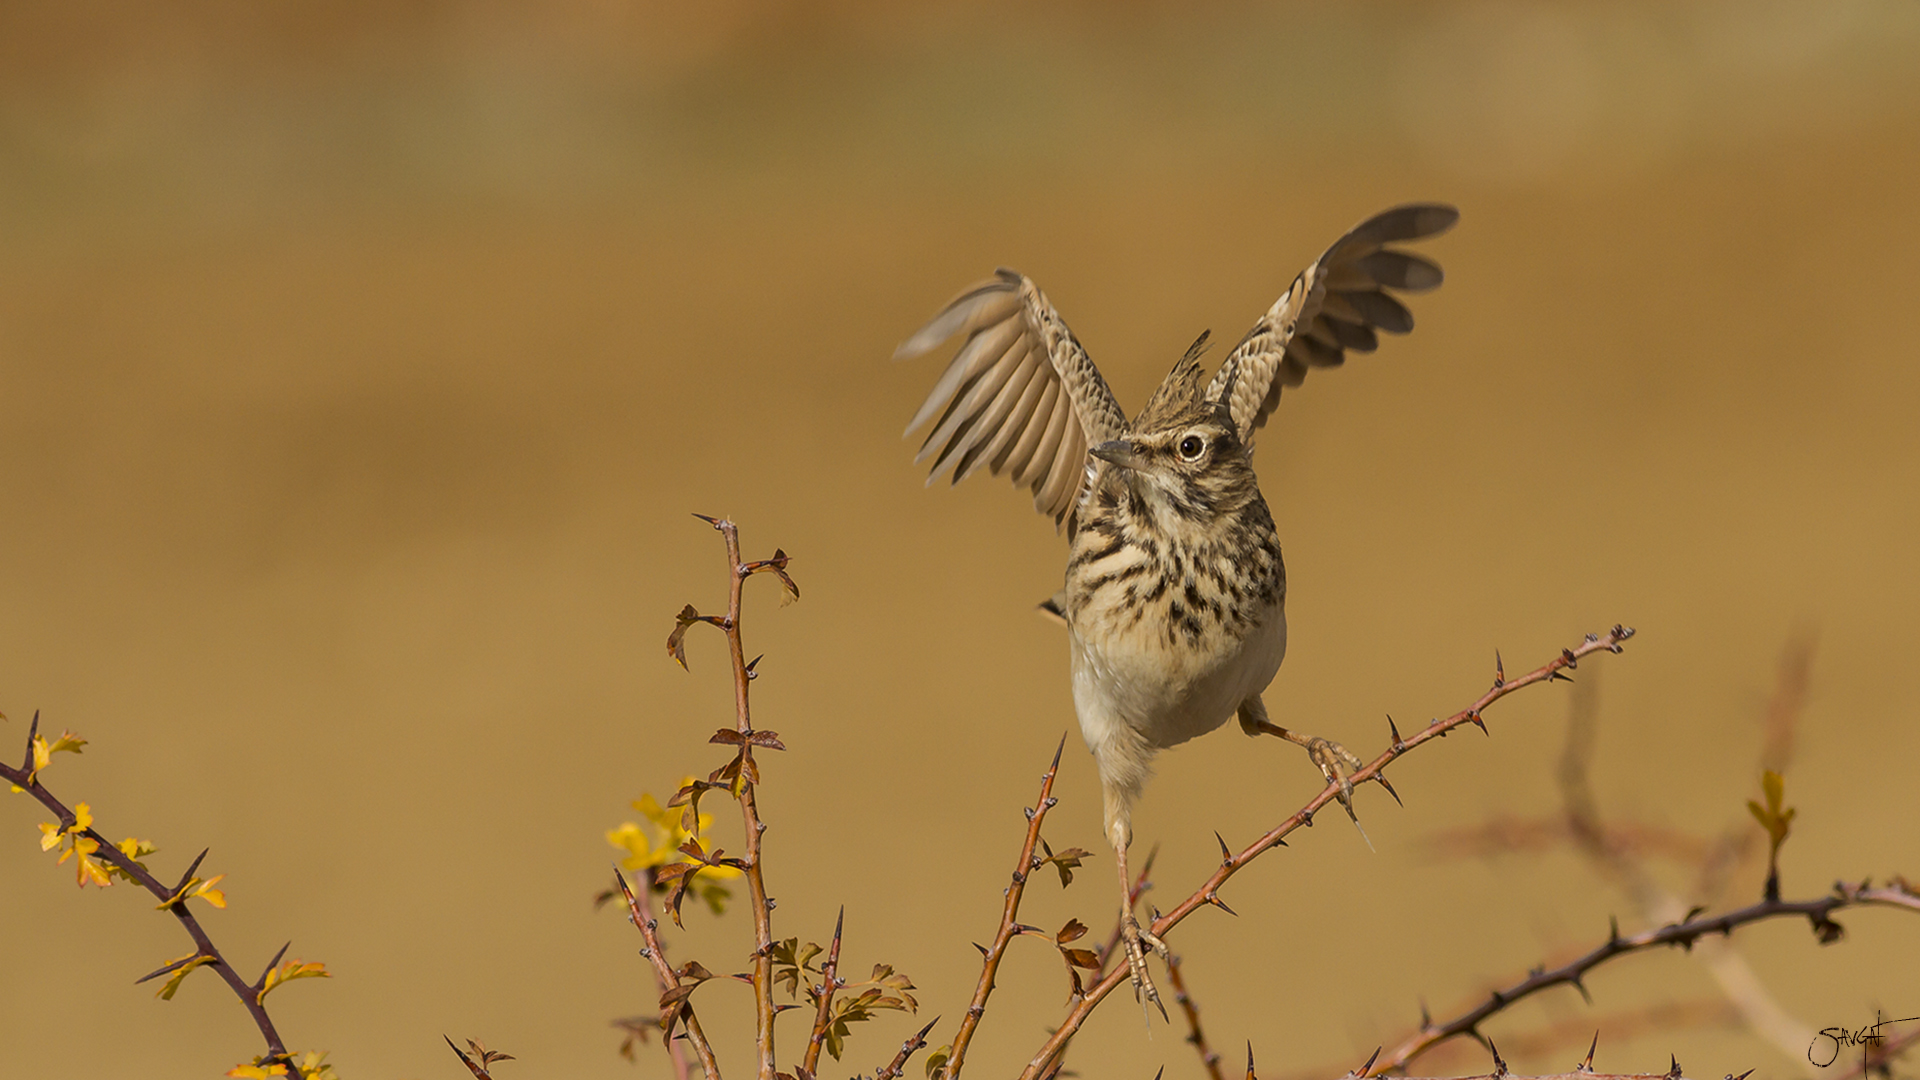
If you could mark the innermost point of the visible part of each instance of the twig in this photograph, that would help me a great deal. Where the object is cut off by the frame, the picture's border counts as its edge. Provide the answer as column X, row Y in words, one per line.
column 641, row 915
column 829, row 982
column 893, row 1068
column 250, row 995
column 1009, row 923
column 1574, row 1076
column 749, row 810
column 1208, row 892
column 1738, row 982
column 1817, row 912
column 1208, row 1055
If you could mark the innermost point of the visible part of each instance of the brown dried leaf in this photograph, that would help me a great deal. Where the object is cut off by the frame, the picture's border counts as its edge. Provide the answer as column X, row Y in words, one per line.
column 1073, row 931
column 677, row 641
column 1082, row 958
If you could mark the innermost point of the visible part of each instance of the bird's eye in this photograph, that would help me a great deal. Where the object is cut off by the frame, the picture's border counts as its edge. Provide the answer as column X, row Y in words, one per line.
column 1191, row 447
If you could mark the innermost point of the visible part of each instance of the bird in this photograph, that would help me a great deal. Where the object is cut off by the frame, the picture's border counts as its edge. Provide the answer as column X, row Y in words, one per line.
column 1175, row 590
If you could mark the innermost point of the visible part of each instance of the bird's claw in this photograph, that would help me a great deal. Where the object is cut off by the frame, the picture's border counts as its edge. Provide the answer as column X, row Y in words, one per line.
column 1138, row 939
column 1330, row 756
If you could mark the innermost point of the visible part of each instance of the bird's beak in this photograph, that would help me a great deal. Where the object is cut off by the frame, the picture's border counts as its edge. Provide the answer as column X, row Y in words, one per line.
column 1121, row 452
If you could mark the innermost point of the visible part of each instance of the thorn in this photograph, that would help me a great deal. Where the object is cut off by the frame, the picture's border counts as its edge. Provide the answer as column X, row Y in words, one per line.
column 1479, row 723
column 839, row 921
column 1580, row 985
column 1056, row 754
column 982, row 948
column 1499, row 670
column 1587, row 1065
column 191, row 867
column 1742, row 1076
column 1250, row 1075
column 1381, row 778
column 1674, row 1072
column 1364, row 1069
column 172, row 967
column 1214, row 899
column 1399, row 744
column 1556, row 676
column 1162, row 1071
column 1226, row 853
column 1499, row 1065
column 270, row 965
column 752, row 674
column 713, row 521
column 1613, row 930
column 1426, row 1018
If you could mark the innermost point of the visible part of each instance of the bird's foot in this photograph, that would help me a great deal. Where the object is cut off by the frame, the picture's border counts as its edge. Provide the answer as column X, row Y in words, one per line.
column 1138, row 940
column 1330, row 756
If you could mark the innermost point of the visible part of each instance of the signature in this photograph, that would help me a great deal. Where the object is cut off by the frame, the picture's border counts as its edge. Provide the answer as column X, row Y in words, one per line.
column 1838, row 1037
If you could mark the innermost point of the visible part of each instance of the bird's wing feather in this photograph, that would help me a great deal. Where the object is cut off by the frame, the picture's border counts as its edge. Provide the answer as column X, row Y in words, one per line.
column 1020, row 397
column 1336, row 304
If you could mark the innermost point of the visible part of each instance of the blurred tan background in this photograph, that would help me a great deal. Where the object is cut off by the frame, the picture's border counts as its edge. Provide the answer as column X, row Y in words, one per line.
column 360, row 365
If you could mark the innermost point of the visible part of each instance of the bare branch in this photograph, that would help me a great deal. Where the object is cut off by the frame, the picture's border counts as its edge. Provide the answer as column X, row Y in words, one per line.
column 641, row 915
column 829, row 982
column 1009, row 921
column 1208, row 892
column 1209, row 1057
column 764, row 1009
column 1817, row 912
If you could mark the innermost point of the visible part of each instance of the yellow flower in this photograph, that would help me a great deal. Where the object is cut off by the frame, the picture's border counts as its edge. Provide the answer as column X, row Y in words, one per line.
column 77, row 843
column 669, row 828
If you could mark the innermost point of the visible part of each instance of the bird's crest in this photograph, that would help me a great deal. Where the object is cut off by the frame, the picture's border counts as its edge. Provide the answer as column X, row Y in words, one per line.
column 1178, row 395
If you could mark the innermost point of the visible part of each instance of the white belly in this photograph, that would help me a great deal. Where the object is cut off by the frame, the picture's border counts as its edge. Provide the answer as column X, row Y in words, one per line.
column 1135, row 695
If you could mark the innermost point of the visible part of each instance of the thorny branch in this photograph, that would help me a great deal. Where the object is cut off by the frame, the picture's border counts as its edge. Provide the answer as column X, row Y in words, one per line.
column 1208, row 892
column 1614, row 850
column 749, row 810
column 641, row 915
column 173, row 900
column 1684, row 934
column 1209, row 1057
column 1009, row 922
column 829, row 982
column 892, row 1069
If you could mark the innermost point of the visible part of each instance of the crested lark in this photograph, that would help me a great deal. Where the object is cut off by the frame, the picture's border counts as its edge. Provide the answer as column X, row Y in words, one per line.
column 1175, row 590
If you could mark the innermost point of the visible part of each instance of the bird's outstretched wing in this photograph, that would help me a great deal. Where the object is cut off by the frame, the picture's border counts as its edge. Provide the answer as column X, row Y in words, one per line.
column 1334, row 305
column 1021, row 397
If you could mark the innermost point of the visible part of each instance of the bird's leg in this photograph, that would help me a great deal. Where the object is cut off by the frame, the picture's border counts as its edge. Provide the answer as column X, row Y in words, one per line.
column 1137, row 940
column 1330, row 756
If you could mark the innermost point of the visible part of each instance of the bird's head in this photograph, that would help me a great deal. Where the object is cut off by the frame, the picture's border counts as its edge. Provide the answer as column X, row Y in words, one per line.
column 1184, row 448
